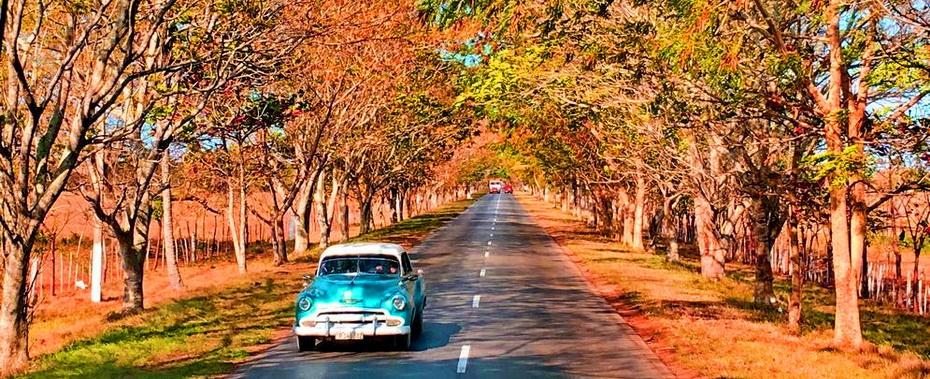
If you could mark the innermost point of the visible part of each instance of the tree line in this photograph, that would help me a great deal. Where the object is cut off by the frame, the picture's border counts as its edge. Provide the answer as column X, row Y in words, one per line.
column 135, row 105
column 728, row 125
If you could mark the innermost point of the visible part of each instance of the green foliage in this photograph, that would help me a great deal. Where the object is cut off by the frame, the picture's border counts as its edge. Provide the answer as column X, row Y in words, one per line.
column 446, row 13
column 839, row 167
column 494, row 90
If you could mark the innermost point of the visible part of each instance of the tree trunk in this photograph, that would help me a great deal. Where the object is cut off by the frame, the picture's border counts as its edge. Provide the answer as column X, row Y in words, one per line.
column 365, row 215
column 895, row 242
column 638, row 208
column 762, row 215
column 916, row 275
column 897, row 266
column 670, row 232
column 303, row 206
column 237, row 228
column 395, row 217
column 167, row 233
column 278, row 241
column 847, row 330
column 857, row 229
column 97, row 251
column 864, row 269
column 132, row 279
column 345, row 210
column 14, row 327
column 401, row 204
column 795, row 312
column 96, row 262
column 712, row 253
column 132, row 246
column 322, row 215
column 627, row 215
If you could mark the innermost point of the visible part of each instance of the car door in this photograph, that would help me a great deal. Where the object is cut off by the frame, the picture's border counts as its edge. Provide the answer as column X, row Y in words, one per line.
column 414, row 287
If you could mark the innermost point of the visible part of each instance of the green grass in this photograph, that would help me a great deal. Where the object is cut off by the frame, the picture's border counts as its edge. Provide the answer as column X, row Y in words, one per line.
column 206, row 335
column 199, row 336
column 416, row 226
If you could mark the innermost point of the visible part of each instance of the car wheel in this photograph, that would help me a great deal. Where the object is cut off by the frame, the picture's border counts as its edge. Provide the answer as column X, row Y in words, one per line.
column 305, row 343
column 403, row 342
column 418, row 324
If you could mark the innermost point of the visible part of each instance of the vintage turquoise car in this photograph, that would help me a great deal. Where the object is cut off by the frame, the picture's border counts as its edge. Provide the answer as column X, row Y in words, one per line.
column 361, row 291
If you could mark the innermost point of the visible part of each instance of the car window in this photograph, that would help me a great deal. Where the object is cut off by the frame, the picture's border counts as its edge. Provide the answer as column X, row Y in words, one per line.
column 408, row 268
column 379, row 266
column 359, row 265
column 333, row 266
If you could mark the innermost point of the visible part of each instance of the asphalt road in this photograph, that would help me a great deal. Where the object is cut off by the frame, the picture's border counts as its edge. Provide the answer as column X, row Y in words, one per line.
column 504, row 302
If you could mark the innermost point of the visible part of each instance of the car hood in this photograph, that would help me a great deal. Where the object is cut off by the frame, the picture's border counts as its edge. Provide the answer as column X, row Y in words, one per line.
column 361, row 291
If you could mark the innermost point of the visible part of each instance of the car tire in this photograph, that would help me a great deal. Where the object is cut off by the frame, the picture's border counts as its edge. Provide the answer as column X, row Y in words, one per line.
column 403, row 342
column 305, row 343
column 417, row 327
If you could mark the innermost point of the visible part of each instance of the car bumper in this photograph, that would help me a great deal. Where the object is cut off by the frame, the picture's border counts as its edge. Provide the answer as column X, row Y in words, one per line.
column 350, row 321
column 367, row 330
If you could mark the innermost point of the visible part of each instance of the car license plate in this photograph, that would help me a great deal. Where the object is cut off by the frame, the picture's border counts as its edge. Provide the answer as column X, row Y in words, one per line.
column 348, row 335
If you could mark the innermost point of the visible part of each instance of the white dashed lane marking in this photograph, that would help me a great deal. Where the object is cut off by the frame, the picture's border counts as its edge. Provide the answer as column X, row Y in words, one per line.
column 463, row 359
column 486, row 253
column 476, row 301
column 482, row 273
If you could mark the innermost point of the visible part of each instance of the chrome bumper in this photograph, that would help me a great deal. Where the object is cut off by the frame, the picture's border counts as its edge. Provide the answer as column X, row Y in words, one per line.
column 357, row 321
column 367, row 330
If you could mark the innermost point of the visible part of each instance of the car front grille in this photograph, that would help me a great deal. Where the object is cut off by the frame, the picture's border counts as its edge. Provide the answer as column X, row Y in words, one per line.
column 347, row 317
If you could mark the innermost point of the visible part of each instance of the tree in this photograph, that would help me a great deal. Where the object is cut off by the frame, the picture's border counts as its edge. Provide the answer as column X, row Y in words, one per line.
column 154, row 117
column 167, row 225
column 855, row 76
column 62, row 84
column 917, row 224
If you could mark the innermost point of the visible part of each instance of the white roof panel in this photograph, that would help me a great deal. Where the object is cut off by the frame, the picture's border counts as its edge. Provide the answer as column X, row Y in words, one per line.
column 363, row 248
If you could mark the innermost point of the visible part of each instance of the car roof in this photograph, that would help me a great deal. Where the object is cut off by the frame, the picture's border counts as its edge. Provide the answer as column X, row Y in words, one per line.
column 363, row 248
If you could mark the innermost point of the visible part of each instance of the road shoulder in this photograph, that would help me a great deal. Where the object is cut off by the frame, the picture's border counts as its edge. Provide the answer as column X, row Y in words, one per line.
column 712, row 329
column 562, row 229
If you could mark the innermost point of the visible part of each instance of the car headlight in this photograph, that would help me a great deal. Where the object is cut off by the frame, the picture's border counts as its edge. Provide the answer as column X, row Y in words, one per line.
column 304, row 304
column 399, row 302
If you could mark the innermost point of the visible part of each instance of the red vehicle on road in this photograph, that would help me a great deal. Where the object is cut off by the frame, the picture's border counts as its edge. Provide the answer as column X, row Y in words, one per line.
column 507, row 188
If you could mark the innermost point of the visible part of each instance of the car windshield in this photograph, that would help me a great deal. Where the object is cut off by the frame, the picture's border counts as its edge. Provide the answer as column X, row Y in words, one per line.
column 377, row 265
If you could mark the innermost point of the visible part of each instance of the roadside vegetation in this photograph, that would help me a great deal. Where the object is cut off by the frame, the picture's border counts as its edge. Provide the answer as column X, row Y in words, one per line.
column 713, row 329
column 210, row 333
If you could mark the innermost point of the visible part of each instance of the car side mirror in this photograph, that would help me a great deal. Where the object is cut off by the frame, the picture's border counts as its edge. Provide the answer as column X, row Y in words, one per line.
column 307, row 280
column 411, row 277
